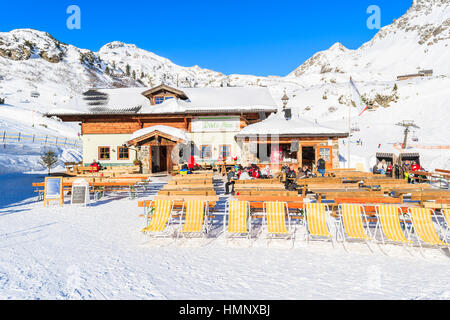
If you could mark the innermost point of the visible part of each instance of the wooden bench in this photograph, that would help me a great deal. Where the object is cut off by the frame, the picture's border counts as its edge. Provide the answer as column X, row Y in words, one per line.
column 276, row 193
column 307, row 181
column 425, row 196
column 257, row 202
column 189, row 187
column 179, row 200
column 260, row 186
column 191, row 181
column 194, row 176
column 401, row 189
column 187, row 193
column 334, row 195
column 353, row 174
column 333, row 186
column 257, row 181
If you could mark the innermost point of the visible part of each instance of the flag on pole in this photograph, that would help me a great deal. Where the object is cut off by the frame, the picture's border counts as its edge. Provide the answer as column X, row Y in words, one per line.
column 360, row 105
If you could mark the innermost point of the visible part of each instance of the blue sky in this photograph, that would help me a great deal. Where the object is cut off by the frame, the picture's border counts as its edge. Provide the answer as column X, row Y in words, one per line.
column 245, row 37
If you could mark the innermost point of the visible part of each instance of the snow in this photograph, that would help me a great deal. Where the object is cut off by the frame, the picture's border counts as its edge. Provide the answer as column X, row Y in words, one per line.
column 164, row 129
column 224, row 98
column 98, row 252
column 276, row 124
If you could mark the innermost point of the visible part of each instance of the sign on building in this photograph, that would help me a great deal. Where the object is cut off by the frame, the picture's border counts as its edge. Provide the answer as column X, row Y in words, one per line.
column 216, row 124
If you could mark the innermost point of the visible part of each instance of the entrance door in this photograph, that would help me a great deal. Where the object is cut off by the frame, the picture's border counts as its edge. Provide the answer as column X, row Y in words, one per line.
column 159, row 159
column 308, row 157
column 326, row 153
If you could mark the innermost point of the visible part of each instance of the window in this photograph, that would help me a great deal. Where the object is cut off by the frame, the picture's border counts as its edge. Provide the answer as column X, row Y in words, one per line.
column 123, row 153
column 225, row 151
column 104, row 153
column 205, row 152
column 159, row 100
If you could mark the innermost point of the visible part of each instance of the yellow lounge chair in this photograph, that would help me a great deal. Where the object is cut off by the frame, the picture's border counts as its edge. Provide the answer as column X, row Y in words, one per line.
column 422, row 220
column 275, row 214
column 352, row 221
column 238, row 218
column 160, row 218
column 388, row 222
column 446, row 213
column 316, row 223
column 195, row 218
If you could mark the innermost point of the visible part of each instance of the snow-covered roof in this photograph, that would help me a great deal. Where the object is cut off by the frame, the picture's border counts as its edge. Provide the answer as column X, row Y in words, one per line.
column 174, row 132
column 223, row 99
column 276, row 124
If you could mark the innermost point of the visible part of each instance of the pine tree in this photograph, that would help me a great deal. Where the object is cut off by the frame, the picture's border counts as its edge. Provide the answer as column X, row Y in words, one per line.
column 134, row 75
column 107, row 71
column 49, row 160
column 395, row 87
column 128, row 70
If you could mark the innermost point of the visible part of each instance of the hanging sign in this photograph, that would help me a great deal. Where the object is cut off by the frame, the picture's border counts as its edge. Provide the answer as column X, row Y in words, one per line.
column 216, row 124
column 53, row 190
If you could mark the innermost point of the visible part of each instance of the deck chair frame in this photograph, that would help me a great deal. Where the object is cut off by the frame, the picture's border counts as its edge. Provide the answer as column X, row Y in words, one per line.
column 165, row 232
column 380, row 228
column 226, row 222
column 423, row 242
column 308, row 234
column 205, row 224
column 446, row 214
column 365, row 224
column 290, row 230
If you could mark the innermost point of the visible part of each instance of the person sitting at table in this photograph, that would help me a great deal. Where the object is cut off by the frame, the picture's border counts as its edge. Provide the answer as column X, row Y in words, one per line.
column 266, row 173
column 95, row 166
column 291, row 175
column 245, row 174
column 231, row 177
column 382, row 167
column 415, row 167
column 185, row 170
column 192, row 165
column 256, row 173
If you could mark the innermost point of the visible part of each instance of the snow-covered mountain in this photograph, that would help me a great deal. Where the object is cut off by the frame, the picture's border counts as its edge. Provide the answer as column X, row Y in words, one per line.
column 418, row 40
column 39, row 73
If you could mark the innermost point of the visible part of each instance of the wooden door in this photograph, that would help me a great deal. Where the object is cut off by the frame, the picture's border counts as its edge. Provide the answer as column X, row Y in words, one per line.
column 326, row 153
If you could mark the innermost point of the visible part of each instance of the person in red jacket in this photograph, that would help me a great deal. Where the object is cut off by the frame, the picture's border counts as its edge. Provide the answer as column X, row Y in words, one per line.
column 95, row 166
column 192, row 165
column 415, row 166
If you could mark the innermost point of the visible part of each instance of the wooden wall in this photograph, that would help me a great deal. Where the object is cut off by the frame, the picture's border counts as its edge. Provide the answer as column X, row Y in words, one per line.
column 128, row 125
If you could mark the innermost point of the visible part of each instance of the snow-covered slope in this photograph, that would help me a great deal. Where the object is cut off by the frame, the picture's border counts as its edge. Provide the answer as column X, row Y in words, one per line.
column 34, row 62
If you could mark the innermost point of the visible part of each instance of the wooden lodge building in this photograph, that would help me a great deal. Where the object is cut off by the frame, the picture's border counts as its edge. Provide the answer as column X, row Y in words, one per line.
column 163, row 126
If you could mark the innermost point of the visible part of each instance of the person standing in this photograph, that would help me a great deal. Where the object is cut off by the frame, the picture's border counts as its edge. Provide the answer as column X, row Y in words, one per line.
column 321, row 167
column 231, row 177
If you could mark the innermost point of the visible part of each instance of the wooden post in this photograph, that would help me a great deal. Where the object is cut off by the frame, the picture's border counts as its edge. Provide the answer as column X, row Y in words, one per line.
column 300, row 156
column 150, row 159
